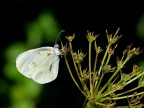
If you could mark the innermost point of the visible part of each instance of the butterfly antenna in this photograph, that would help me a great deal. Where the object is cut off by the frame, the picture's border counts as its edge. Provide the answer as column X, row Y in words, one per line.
column 59, row 35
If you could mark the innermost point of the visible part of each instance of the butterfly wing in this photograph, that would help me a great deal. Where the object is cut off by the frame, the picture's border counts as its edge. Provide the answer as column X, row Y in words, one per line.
column 40, row 64
column 24, row 60
column 45, row 68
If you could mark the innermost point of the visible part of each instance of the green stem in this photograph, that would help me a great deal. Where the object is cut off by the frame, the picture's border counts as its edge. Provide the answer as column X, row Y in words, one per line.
column 127, row 96
column 96, row 57
column 97, row 87
column 111, row 78
column 128, row 91
column 71, row 51
column 73, row 77
column 127, row 84
column 106, row 52
column 108, row 59
column 80, row 70
column 91, row 80
column 93, row 105
column 89, row 57
column 82, row 82
column 135, row 78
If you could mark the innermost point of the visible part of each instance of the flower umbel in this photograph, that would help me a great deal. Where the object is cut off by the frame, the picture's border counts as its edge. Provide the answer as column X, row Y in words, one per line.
column 99, row 90
column 78, row 57
column 135, row 101
column 64, row 50
column 132, row 52
column 112, row 39
column 70, row 38
column 91, row 37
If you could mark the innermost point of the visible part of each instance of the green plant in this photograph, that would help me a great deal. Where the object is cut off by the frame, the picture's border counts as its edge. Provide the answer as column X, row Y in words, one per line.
column 106, row 95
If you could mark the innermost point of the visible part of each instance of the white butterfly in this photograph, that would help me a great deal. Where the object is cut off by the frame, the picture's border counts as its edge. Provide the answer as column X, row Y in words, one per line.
column 40, row 64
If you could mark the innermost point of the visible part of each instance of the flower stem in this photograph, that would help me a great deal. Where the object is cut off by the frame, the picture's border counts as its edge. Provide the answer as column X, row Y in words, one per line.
column 102, row 63
column 127, row 96
column 91, row 80
column 128, row 91
column 89, row 57
column 71, row 51
column 127, row 84
column 108, row 59
column 96, row 57
column 97, row 87
column 73, row 77
column 111, row 78
column 133, row 79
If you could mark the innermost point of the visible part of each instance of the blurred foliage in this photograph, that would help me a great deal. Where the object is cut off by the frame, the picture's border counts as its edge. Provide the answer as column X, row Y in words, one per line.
column 44, row 30
column 140, row 28
column 19, row 91
column 140, row 34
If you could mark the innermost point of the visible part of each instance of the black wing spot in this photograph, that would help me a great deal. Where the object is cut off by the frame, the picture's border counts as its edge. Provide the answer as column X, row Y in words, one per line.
column 34, row 64
column 48, row 54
